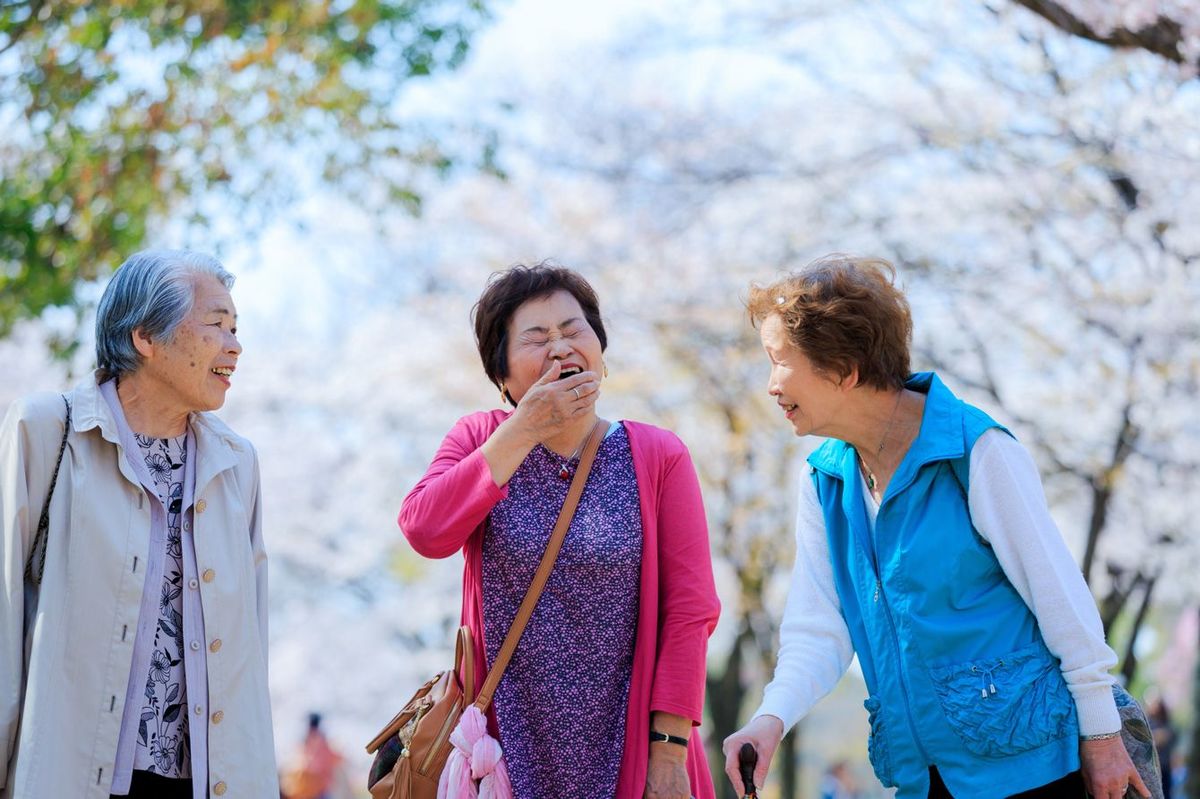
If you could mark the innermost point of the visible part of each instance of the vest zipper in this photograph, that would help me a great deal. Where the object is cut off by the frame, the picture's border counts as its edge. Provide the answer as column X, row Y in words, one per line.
column 880, row 594
column 903, row 676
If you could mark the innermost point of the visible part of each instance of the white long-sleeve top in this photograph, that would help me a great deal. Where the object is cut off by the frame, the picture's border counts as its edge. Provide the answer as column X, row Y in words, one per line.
column 1008, row 508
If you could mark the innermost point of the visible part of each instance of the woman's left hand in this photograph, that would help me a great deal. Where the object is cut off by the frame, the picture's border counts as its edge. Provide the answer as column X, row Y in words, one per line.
column 1107, row 770
column 667, row 776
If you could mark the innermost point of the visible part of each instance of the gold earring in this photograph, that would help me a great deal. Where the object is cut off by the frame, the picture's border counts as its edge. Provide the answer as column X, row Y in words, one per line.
column 604, row 363
column 503, row 395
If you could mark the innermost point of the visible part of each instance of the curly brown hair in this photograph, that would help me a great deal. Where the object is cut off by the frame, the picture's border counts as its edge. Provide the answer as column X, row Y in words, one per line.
column 844, row 313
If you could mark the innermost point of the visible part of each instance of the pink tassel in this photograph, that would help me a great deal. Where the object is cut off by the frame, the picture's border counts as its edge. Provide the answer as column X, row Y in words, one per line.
column 456, row 782
column 476, row 756
column 496, row 784
column 484, row 757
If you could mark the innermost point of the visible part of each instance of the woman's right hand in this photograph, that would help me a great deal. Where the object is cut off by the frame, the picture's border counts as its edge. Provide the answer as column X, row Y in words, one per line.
column 763, row 733
column 548, row 408
column 551, row 406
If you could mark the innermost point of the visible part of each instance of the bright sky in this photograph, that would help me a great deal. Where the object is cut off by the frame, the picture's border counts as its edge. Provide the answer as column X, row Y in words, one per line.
column 285, row 278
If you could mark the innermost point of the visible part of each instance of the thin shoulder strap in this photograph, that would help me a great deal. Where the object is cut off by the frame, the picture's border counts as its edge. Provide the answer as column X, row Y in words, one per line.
column 41, row 537
column 484, row 698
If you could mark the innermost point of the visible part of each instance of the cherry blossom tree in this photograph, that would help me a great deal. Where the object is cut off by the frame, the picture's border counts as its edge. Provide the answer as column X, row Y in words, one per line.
column 1034, row 190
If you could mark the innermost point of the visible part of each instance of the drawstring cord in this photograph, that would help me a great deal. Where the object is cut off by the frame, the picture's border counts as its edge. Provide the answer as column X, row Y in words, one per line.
column 987, row 684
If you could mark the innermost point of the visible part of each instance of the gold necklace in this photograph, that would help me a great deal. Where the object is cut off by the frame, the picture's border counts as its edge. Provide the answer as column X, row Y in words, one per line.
column 871, row 481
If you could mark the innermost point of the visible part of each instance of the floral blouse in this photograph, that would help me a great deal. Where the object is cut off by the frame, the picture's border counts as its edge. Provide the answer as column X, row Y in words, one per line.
column 162, row 741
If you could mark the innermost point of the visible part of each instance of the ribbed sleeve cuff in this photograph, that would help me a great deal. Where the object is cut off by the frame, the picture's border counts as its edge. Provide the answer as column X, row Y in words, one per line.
column 1097, row 710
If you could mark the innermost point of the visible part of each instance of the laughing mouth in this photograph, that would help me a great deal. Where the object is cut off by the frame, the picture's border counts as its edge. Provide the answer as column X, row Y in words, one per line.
column 569, row 371
column 223, row 371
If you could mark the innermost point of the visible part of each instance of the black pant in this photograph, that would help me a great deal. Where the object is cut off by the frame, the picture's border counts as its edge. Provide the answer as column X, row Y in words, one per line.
column 1069, row 787
column 152, row 786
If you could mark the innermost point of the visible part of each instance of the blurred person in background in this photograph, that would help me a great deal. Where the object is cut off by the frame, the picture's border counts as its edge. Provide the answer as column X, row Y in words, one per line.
column 1165, row 737
column 318, row 771
column 925, row 546
column 605, row 692
column 838, row 782
column 134, row 623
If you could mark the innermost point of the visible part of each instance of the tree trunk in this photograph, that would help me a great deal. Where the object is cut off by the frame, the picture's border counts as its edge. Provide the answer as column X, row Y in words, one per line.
column 1130, row 664
column 1120, row 589
column 725, row 694
column 788, row 763
column 1102, row 487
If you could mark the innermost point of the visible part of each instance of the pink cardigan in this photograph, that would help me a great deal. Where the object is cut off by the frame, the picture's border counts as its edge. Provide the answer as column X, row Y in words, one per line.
column 448, row 508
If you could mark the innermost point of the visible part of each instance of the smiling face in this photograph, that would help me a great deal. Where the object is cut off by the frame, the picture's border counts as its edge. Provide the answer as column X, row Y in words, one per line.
column 810, row 401
column 548, row 329
column 191, row 371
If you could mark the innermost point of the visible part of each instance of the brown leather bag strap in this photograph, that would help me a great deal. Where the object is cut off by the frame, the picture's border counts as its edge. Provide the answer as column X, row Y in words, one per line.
column 484, row 699
column 464, row 657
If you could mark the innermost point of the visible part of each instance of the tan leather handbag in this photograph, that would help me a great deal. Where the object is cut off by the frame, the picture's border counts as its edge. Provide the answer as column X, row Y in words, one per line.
column 411, row 751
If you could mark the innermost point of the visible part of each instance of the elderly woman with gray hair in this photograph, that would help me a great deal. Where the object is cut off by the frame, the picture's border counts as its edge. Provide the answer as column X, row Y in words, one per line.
column 133, row 573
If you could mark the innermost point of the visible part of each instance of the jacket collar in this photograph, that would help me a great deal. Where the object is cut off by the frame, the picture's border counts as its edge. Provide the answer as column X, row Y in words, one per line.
column 217, row 446
column 940, row 436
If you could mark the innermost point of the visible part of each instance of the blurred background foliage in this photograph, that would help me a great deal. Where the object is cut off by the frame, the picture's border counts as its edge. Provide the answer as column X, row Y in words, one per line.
column 119, row 116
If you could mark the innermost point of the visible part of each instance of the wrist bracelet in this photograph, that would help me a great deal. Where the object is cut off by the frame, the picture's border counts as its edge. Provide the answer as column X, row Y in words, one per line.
column 663, row 738
column 1104, row 736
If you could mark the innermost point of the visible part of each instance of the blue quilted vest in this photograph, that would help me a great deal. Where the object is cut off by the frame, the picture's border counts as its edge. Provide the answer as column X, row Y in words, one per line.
column 958, row 674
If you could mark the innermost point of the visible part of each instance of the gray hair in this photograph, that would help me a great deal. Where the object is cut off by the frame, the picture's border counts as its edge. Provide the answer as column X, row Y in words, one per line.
column 152, row 291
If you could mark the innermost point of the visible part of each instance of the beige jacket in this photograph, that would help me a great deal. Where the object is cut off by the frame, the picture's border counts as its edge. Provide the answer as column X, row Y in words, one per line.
column 62, row 688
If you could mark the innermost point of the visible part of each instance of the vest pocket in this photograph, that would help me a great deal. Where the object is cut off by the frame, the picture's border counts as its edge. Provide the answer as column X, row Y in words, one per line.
column 877, row 747
column 1007, row 705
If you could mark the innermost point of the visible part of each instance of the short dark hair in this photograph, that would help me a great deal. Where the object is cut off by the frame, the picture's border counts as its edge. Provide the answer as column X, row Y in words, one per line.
column 843, row 313
column 507, row 291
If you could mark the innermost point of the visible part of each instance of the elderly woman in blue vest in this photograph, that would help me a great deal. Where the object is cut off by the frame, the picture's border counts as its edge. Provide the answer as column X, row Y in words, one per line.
column 925, row 547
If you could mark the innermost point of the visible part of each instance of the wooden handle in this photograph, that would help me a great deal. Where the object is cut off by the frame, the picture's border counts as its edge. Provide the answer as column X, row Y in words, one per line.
column 747, row 762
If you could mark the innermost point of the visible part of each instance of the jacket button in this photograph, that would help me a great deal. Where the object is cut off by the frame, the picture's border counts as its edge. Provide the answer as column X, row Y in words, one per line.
column 208, row 576
column 219, row 789
column 215, row 646
column 193, row 583
column 216, row 717
column 195, row 645
column 200, row 506
column 199, row 710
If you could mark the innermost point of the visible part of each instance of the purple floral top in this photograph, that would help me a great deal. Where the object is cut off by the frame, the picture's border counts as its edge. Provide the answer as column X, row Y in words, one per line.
column 562, row 703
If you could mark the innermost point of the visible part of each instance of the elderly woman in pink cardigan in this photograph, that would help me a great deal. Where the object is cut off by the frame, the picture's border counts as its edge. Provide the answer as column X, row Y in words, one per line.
column 604, row 694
